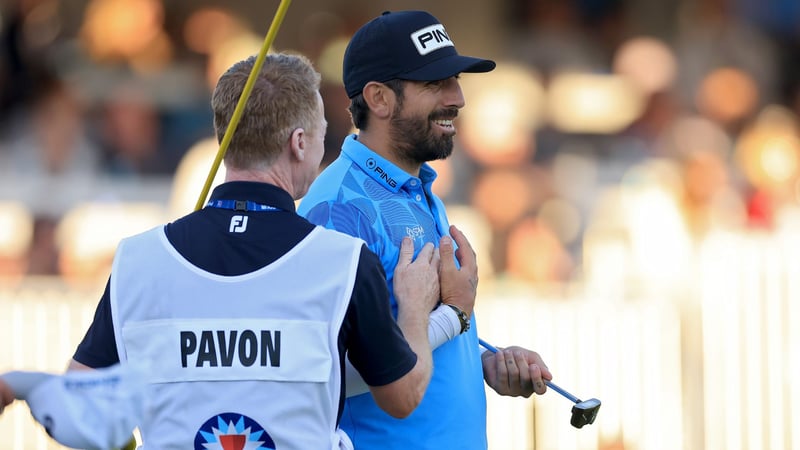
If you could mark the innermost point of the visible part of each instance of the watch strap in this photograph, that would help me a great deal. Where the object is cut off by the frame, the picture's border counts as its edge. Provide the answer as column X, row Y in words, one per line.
column 463, row 318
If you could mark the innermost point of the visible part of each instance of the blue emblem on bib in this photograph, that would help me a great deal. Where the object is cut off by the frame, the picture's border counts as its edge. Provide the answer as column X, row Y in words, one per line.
column 232, row 431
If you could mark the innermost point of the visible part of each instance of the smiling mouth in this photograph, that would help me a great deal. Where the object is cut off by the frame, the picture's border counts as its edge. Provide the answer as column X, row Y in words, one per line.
column 446, row 125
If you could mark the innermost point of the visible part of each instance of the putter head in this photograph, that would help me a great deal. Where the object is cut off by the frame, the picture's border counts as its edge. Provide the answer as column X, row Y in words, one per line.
column 585, row 412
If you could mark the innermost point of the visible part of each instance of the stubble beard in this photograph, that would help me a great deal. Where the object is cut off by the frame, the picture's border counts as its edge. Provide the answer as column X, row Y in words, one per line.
column 415, row 141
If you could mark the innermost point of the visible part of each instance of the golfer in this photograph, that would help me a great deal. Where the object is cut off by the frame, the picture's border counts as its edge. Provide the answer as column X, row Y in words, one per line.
column 401, row 73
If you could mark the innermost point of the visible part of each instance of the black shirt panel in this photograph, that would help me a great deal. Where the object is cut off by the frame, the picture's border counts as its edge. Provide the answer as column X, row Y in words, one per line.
column 369, row 316
column 99, row 346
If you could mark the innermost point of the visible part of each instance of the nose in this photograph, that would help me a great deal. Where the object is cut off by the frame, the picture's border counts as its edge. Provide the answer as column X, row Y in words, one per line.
column 453, row 96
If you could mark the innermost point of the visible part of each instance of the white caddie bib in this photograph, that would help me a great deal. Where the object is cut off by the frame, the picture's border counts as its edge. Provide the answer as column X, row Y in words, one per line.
column 246, row 361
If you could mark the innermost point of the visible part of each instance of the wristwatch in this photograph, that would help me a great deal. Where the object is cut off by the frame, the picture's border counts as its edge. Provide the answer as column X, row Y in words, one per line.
column 462, row 317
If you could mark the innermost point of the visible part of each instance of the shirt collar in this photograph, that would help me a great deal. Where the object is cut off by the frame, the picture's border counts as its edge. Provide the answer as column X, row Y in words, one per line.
column 263, row 193
column 381, row 169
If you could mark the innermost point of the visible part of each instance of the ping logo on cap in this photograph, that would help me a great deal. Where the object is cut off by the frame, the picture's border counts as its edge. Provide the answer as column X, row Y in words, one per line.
column 431, row 38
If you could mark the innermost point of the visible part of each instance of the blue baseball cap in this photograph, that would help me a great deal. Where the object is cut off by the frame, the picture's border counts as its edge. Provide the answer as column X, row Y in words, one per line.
column 408, row 45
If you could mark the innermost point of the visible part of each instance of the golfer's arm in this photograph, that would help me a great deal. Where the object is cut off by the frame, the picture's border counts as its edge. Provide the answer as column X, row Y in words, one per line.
column 443, row 326
column 400, row 397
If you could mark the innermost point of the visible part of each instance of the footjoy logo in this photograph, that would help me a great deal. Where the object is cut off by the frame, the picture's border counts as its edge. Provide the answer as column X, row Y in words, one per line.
column 371, row 164
column 238, row 224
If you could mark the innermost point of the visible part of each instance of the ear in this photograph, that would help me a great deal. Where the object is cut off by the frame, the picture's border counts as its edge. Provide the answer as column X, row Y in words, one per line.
column 297, row 143
column 379, row 98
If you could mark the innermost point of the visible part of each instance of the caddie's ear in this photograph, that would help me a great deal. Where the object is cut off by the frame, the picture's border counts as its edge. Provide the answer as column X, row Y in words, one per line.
column 380, row 99
column 297, row 144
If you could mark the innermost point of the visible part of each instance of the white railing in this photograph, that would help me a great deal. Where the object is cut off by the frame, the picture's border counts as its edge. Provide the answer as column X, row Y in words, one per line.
column 712, row 365
column 41, row 323
column 625, row 354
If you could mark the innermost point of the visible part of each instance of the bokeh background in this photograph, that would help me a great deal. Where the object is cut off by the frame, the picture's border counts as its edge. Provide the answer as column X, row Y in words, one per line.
column 630, row 176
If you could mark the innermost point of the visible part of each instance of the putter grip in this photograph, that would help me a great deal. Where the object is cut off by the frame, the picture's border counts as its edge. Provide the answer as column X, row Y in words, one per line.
column 555, row 387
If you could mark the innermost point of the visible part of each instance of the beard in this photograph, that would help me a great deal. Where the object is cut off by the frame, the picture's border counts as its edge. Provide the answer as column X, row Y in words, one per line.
column 414, row 139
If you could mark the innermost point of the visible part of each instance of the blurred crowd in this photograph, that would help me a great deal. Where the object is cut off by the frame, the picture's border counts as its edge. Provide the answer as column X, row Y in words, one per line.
column 609, row 127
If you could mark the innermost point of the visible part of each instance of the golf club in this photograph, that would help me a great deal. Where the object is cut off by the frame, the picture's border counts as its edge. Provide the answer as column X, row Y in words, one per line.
column 583, row 413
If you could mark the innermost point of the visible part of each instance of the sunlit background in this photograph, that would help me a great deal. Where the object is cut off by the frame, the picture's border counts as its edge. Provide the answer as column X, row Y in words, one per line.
column 629, row 174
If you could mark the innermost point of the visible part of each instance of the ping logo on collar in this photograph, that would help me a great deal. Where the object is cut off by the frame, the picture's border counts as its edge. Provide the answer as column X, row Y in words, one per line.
column 231, row 431
column 373, row 166
column 431, row 38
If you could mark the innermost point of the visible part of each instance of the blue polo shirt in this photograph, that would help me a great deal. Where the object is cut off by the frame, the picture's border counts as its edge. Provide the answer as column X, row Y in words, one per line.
column 365, row 195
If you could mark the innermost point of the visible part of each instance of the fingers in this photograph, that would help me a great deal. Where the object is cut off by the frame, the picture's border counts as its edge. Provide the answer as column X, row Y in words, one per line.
column 504, row 365
column 426, row 254
column 526, row 377
column 513, row 371
column 538, row 383
column 466, row 256
column 546, row 375
column 406, row 252
column 436, row 259
column 458, row 235
column 447, row 253
column 539, row 373
column 517, row 375
column 465, row 251
column 520, row 378
column 416, row 281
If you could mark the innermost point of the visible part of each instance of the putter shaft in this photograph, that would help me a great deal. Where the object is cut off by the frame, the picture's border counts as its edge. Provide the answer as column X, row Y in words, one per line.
column 561, row 391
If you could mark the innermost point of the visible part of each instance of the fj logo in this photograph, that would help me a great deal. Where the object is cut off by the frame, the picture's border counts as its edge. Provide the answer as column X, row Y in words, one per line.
column 238, row 224
column 431, row 38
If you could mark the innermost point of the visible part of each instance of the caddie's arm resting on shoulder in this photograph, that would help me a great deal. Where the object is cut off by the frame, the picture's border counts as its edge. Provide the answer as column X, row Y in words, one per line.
column 416, row 289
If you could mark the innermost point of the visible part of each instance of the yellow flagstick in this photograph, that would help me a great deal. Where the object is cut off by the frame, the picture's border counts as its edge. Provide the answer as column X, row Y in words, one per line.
column 248, row 87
